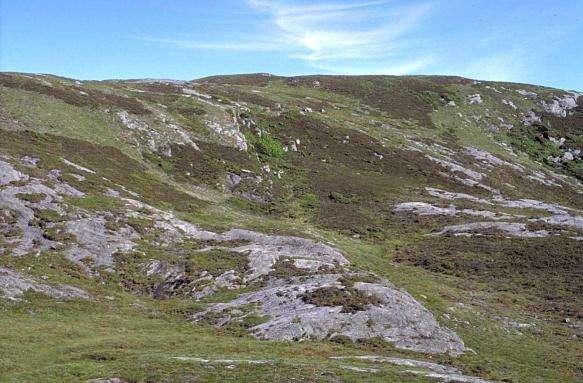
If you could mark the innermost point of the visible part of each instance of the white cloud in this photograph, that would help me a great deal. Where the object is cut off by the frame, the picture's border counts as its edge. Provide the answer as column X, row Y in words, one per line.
column 340, row 35
column 336, row 37
column 402, row 68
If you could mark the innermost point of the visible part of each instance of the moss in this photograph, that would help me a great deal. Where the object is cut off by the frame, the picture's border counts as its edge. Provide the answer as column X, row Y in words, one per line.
column 538, row 148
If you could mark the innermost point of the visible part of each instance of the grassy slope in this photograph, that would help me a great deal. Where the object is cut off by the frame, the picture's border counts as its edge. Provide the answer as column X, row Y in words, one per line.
column 136, row 337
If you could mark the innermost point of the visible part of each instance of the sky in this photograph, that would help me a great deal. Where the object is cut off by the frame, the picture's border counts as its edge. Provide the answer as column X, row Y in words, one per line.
column 530, row 41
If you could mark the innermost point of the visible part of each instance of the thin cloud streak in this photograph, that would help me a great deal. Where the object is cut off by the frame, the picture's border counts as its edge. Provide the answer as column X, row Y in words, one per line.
column 333, row 32
column 331, row 36
column 251, row 46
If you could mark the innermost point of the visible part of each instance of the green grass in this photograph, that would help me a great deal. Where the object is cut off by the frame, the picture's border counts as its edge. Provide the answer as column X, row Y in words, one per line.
column 267, row 145
column 48, row 215
column 95, row 202
column 48, row 115
column 82, row 340
column 135, row 337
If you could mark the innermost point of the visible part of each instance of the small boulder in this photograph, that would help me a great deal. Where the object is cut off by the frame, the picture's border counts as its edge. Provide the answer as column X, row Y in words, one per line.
column 475, row 99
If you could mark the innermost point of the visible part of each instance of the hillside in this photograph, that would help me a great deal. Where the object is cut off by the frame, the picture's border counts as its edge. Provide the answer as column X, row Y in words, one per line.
column 315, row 228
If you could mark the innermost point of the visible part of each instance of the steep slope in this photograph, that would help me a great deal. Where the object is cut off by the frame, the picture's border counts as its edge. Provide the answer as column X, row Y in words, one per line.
column 183, row 231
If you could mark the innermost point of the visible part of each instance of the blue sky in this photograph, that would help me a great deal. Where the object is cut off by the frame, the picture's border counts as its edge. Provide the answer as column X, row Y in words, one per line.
column 531, row 41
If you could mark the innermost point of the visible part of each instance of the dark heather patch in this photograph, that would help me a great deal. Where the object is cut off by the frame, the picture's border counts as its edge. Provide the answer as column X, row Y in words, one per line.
column 208, row 165
column 159, row 87
column 411, row 98
column 548, row 268
column 350, row 299
column 285, row 269
column 355, row 188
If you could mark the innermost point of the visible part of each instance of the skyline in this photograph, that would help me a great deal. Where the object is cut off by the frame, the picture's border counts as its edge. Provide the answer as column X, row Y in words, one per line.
column 535, row 42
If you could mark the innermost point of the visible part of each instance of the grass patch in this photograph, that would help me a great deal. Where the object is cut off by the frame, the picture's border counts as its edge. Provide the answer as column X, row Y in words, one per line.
column 31, row 197
column 267, row 145
column 95, row 202
column 48, row 215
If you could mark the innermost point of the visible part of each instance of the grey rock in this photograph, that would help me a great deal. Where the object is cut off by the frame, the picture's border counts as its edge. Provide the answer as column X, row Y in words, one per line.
column 428, row 369
column 29, row 161
column 453, row 196
column 62, row 187
column 31, row 238
column 456, row 167
column 78, row 177
column 560, row 105
column 542, row 179
column 531, row 118
column 423, row 208
column 112, row 193
column 509, row 103
column 398, row 319
column 265, row 250
column 573, row 221
column 526, row 93
column 511, row 228
column 232, row 180
column 558, row 141
column 568, row 156
column 175, row 280
column 95, row 242
column 524, row 203
column 475, row 99
column 229, row 130
column 527, row 203
column 490, row 159
column 223, row 361
column 13, row 285
column 8, row 174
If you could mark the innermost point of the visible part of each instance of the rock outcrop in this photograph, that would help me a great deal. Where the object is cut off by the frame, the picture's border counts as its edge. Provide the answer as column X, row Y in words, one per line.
column 13, row 285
